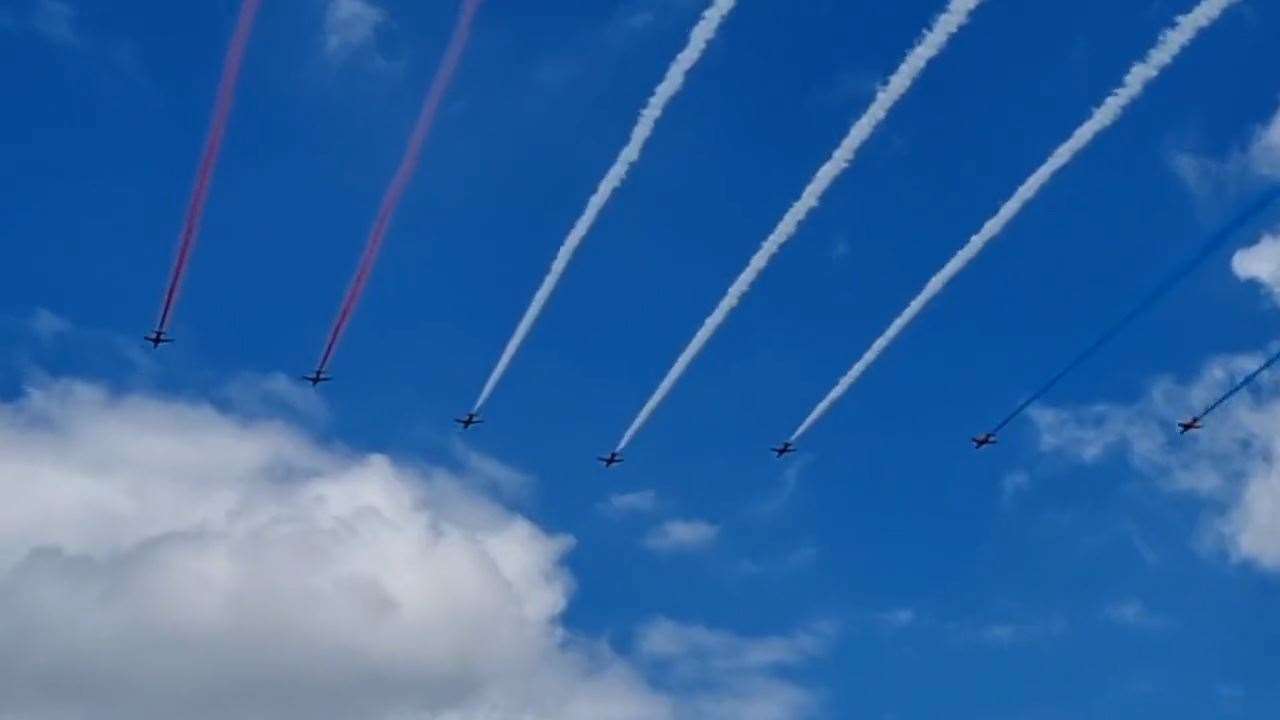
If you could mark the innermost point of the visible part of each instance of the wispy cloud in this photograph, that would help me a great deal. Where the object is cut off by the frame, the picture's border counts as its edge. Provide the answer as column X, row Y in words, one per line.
column 798, row 559
column 47, row 326
column 727, row 676
column 634, row 503
column 1012, row 485
column 682, row 536
column 492, row 475
column 273, row 395
column 351, row 26
column 1005, row 633
column 59, row 23
column 1133, row 613
column 56, row 21
column 1233, row 466
column 896, row 619
column 1218, row 180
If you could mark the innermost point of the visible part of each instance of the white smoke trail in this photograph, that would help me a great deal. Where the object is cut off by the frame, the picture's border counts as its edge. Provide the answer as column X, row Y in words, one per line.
column 932, row 43
column 1171, row 42
column 699, row 38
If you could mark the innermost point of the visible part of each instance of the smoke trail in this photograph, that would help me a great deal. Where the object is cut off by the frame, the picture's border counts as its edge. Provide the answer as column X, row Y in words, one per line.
column 928, row 47
column 1248, row 379
column 209, row 158
column 404, row 174
column 699, row 38
column 1214, row 243
column 1171, row 43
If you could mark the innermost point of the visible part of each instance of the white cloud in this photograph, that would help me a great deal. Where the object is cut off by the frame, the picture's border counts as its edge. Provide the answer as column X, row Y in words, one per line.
column 642, row 501
column 350, row 25
column 840, row 249
column 490, row 473
column 1264, row 153
column 898, row 619
column 48, row 326
column 730, row 677
column 1233, row 464
column 1012, row 485
column 1222, row 178
column 165, row 559
column 56, row 20
column 1260, row 263
column 682, row 536
column 1017, row 633
column 1133, row 613
column 273, row 394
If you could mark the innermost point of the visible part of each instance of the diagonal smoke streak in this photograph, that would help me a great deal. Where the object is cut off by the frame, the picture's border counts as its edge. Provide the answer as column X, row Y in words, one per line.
column 404, row 174
column 932, row 43
column 209, row 158
column 1158, row 293
column 699, row 38
column 1171, row 43
column 1244, row 383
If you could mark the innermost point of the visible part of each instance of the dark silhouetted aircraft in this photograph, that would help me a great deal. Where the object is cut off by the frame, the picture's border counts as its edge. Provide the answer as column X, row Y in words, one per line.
column 984, row 440
column 316, row 378
column 611, row 459
column 468, row 421
column 157, row 338
column 1192, row 424
column 784, row 449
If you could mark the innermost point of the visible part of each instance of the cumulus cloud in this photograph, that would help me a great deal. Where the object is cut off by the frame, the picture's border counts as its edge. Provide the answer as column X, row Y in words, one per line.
column 675, row 536
column 162, row 558
column 1260, row 263
column 731, row 677
column 1233, row 465
column 350, row 25
column 168, row 559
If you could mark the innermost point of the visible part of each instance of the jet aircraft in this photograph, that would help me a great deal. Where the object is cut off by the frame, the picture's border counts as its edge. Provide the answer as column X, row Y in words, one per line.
column 157, row 338
column 470, row 420
column 317, row 377
column 1192, row 424
column 984, row 440
column 613, row 458
column 784, row 449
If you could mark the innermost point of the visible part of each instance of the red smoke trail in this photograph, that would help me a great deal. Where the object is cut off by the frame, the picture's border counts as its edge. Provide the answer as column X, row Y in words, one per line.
column 209, row 160
column 408, row 165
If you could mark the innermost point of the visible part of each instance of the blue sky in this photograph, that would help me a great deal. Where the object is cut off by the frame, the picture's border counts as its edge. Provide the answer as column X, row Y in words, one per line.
column 901, row 575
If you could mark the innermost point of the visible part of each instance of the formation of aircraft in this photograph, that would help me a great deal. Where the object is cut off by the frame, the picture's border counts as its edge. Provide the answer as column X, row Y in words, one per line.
column 160, row 337
column 157, row 338
column 984, row 440
column 317, row 377
column 613, row 458
column 783, row 450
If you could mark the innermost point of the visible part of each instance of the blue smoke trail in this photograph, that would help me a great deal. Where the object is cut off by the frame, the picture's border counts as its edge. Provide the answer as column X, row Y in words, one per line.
column 1212, row 245
column 1239, row 386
